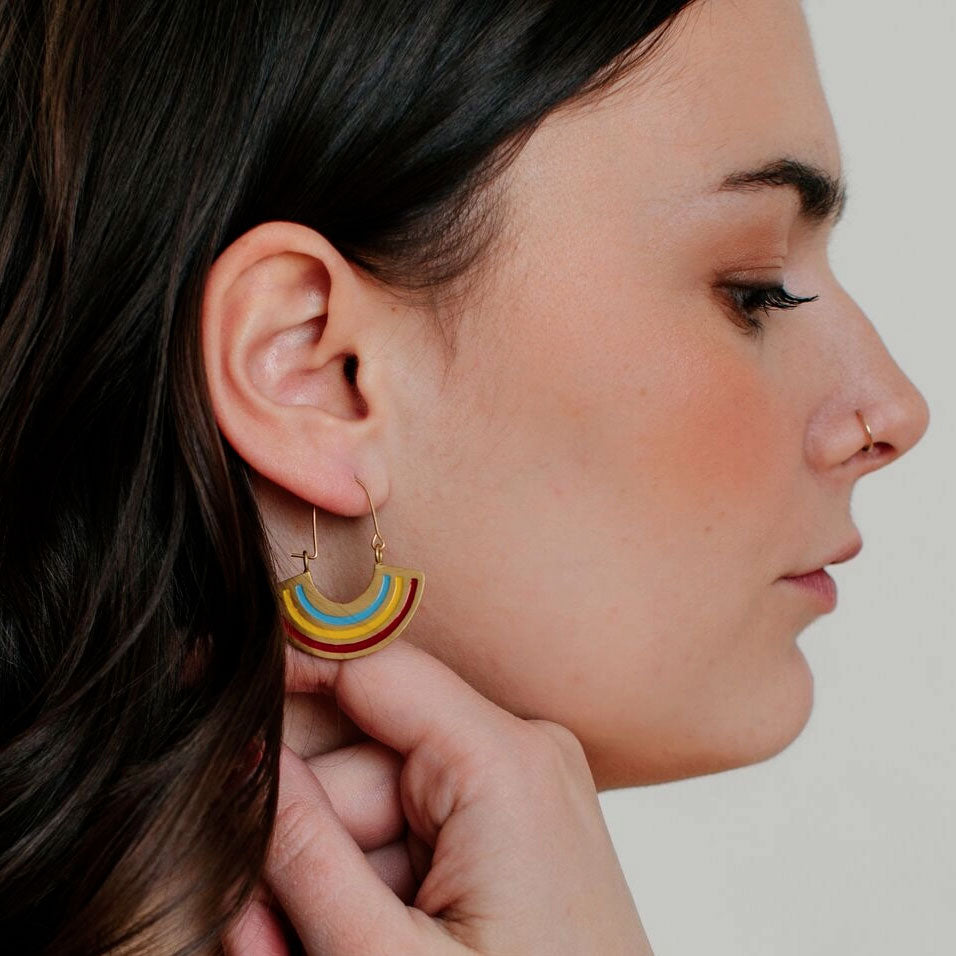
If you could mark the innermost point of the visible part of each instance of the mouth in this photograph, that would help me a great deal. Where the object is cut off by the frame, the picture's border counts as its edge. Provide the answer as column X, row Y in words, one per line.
column 818, row 583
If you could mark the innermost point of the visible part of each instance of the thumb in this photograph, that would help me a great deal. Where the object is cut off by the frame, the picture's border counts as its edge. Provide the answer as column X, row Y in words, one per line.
column 331, row 894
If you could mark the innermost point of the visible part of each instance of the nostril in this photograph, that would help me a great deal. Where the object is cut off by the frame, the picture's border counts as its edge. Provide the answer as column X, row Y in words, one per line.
column 882, row 453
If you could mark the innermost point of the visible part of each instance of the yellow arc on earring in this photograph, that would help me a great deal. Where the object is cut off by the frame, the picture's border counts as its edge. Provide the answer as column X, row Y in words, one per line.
column 340, row 630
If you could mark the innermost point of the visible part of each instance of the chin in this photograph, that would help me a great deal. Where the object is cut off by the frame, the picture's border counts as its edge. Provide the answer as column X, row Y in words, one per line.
column 762, row 728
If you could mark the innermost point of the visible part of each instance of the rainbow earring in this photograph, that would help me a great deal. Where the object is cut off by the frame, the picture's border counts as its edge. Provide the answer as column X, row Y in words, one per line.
column 326, row 628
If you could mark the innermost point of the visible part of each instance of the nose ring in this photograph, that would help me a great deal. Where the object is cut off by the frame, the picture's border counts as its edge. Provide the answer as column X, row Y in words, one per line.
column 866, row 428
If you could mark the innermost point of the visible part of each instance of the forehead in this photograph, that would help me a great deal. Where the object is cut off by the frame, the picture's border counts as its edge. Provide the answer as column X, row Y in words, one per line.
column 733, row 86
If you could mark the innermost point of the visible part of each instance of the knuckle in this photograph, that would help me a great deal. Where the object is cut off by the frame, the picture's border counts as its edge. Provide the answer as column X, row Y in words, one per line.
column 460, row 767
column 293, row 838
column 557, row 738
column 446, row 773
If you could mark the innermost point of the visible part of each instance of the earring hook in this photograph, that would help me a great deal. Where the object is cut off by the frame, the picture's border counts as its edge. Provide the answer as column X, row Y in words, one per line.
column 306, row 557
column 378, row 542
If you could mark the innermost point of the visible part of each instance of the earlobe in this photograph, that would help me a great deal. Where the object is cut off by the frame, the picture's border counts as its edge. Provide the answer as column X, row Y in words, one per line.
column 285, row 320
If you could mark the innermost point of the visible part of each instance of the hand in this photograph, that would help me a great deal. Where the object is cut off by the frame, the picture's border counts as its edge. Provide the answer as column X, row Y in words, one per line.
column 521, row 859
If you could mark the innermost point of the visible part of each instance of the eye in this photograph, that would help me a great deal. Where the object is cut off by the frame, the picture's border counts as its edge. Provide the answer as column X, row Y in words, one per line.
column 746, row 300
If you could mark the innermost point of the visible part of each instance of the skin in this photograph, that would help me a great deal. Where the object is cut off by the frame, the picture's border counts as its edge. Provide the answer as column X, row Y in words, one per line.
column 607, row 480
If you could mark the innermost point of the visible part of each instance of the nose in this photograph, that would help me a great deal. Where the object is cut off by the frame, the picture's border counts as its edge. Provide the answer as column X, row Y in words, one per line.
column 868, row 379
column 897, row 421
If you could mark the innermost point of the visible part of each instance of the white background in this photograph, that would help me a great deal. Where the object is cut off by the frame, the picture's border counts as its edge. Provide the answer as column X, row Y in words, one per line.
column 845, row 843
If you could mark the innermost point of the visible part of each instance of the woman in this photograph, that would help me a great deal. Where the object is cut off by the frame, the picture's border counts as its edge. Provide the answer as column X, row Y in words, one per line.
column 552, row 282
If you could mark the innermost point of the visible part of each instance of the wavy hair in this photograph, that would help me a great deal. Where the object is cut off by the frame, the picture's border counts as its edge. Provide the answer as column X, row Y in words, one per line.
column 141, row 662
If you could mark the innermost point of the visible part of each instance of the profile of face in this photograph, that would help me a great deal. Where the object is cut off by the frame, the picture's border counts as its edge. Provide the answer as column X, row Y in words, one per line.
column 609, row 476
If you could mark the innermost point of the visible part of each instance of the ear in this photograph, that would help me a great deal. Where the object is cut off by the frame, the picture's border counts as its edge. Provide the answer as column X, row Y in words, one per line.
column 286, row 322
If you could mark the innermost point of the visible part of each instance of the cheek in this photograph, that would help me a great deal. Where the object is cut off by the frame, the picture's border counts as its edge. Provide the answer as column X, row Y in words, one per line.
column 669, row 413
column 705, row 426
column 605, row 351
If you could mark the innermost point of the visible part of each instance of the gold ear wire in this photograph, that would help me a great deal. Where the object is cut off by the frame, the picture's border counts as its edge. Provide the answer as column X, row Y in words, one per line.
column 378, row 542
column 306, row 557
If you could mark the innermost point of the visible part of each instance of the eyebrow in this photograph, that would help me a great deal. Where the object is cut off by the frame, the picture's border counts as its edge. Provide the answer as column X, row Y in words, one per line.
column 822, row 197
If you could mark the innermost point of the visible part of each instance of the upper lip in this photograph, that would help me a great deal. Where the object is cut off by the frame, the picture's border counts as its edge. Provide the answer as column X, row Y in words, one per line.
column 846, row 554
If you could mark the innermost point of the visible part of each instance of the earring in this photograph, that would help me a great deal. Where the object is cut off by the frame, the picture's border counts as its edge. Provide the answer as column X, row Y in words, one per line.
column 334, row 630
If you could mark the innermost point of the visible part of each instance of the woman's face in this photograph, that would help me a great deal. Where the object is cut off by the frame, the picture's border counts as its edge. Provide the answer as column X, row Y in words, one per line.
column 608, row 483
column 608, row 488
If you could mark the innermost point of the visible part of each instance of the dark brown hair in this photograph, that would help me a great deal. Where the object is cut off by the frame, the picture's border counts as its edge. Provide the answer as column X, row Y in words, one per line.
column 141, row 667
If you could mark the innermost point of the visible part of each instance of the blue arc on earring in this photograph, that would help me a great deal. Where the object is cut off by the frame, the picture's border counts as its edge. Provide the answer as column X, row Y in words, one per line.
column 343, row 619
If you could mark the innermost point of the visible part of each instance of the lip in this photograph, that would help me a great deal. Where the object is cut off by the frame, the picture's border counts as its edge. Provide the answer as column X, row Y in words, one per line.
column 820, row 585
column 846, row 554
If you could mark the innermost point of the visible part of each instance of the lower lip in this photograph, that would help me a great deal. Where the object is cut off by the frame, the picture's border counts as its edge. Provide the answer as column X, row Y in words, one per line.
column 820, row 585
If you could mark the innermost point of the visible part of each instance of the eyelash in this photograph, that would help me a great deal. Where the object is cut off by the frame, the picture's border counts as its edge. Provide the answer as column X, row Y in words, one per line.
column 745, row 300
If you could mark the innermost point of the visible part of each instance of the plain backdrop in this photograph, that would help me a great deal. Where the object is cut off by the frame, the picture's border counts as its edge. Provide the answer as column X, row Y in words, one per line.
column 845, row 843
